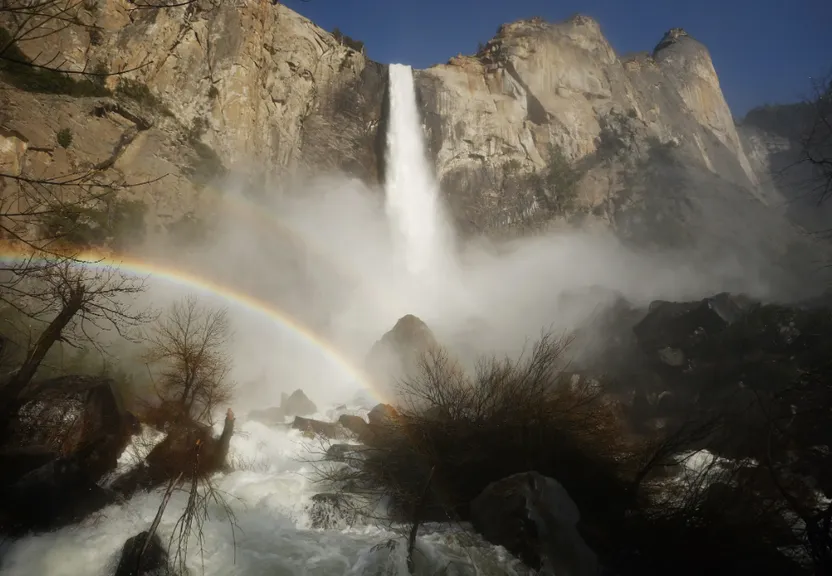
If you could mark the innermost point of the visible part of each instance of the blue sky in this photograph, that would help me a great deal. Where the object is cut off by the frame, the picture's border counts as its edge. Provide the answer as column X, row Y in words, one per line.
column 765, row 51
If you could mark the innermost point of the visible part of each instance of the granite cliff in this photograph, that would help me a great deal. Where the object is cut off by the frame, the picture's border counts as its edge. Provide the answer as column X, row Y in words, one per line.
column 196, row 91
column 546, row 124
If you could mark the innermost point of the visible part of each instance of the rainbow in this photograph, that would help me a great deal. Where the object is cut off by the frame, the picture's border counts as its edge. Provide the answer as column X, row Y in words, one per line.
column 141, row 267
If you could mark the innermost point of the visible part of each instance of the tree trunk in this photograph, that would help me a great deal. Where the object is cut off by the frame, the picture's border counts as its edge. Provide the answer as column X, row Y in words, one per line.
column 11, row 391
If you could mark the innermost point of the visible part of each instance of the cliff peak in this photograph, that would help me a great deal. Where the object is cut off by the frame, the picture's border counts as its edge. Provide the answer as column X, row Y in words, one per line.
column 677, row 39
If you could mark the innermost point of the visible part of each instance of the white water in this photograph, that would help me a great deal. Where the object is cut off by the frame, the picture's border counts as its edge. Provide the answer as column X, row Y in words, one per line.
column 269, row 495
column 413, row 206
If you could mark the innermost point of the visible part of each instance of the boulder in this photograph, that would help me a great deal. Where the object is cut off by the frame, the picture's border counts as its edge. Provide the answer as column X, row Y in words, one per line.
column 670, row 328
column 56, row 494
column 398, row 352
column 70, row 413
column 355, row 424
column 138, row 560
column 330, row 511
column 313, row 428
column 67, row 434
column 347, row 453
column 15, row 462
column 382, row 415
column 297, row 404
column 535, row 519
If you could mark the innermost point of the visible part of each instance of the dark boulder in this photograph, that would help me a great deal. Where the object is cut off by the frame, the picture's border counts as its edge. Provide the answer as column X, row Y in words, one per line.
column 382, row 415
column 67, row 434
column 56, row 494
column 673, row 327
column 535, row 519
column 313, row 428
column 355, row 424
column 71, row 413
column 15, row 462
column 347, row 453
column 139, row 560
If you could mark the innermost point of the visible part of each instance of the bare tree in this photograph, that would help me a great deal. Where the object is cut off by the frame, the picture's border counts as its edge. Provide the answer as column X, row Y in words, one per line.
column 189, row 344
column 77, row 303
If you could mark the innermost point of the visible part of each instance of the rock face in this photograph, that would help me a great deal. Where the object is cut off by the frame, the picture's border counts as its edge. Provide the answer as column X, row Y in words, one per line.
column 312, row 428
column 774, row 139
column 212, row 87
column 547, row 122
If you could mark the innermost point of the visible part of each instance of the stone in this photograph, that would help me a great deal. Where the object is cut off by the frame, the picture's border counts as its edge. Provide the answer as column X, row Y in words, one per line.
column 398, row 353
column 297, row 404
column 382, row 415
column 138, row 560
column 74, row 412
column 355, row 424
column 535, row 519
column 312, row 428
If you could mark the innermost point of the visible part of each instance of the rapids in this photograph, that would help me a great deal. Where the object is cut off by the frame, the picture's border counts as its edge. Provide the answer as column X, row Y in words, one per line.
column 269, row 493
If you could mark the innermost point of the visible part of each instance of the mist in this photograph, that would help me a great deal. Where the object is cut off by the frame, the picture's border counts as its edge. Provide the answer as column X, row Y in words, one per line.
column 325, row 253
column 346, row 260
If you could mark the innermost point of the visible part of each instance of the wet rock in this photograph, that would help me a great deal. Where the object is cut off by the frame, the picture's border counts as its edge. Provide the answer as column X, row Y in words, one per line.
column 382, row 415
column 68, row 413
column 15, row 462
column 672, row 357
column 355, row 424
column 677, row 326
column 347, row 453
column 297, row 404
column 68, row 434
column 56, row 494
column 313, row 428
column 535, row 519
column 330, row 511
column 138, row 560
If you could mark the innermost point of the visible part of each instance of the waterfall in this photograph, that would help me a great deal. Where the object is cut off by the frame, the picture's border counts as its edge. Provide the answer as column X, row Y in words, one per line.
column 412, row 201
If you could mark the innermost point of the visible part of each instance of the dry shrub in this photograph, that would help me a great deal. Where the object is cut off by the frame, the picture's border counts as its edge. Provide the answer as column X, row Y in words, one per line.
column 456, row 433
column 511, row 416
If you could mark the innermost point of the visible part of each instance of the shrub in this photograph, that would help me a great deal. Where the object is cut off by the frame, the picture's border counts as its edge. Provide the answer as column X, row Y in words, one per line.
column 345, row 40
column 511, row 416
column 64, row 137
column 457, row 433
